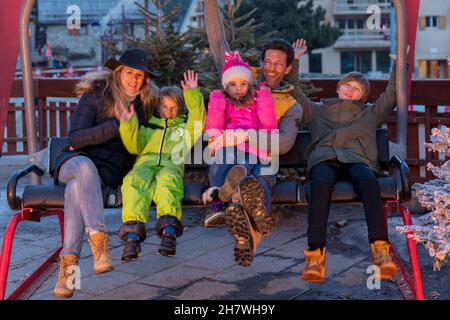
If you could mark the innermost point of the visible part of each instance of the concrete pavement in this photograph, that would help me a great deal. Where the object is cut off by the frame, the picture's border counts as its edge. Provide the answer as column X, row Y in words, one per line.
column 204, row 267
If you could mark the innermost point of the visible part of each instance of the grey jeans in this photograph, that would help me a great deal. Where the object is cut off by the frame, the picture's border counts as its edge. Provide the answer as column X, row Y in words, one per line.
column 83, row 202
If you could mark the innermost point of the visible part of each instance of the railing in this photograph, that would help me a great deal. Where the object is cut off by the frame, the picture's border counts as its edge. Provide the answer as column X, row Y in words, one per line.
column 359, row 6
column 56, row 102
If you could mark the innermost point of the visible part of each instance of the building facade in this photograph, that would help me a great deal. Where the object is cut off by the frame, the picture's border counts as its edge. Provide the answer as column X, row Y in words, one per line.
column 366, row 43
column 433, row 39
column 75, row 45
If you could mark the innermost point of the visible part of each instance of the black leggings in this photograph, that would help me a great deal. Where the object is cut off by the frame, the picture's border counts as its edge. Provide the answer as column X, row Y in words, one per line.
column 323, row 177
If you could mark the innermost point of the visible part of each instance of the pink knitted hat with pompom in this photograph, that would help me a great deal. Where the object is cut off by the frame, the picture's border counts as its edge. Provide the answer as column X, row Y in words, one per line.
column 235, row 68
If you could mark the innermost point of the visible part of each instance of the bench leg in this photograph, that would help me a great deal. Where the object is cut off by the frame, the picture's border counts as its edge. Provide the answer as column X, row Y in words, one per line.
column 29, row 285
column 413, row 256
column 6, row 251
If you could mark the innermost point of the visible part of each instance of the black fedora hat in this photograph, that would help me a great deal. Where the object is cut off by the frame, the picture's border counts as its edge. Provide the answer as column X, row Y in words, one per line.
column 134, row 58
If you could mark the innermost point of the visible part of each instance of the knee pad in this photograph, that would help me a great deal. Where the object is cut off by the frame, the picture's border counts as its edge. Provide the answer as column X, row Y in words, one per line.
column 134, row 227
column 167, row 220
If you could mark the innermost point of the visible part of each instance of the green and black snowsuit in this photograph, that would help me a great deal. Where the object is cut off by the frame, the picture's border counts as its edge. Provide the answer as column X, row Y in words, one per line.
column 157, row 174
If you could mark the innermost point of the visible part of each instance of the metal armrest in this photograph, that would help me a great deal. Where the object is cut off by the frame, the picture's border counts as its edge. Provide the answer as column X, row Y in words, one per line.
column 13, row 200
column 401, row 174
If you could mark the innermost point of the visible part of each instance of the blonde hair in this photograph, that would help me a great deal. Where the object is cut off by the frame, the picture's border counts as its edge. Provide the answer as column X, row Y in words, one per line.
column 113, row 91
column 176, row 95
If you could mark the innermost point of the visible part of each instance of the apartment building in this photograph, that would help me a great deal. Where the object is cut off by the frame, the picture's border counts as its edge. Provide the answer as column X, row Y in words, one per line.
column 433, row 39
column 366, row 49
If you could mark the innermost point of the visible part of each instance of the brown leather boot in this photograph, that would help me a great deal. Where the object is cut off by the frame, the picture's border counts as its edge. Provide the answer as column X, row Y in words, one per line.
column 246, row 237
column 61, row 289
column 252, row 198
column 100, row 249
column 382, row 259
column 314, row 271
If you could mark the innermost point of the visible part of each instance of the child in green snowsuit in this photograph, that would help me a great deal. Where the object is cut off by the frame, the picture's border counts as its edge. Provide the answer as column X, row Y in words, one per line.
column 157, row 175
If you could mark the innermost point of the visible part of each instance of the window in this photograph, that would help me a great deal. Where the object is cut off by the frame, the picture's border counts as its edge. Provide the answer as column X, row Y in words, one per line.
column 360, row 24
column 201, row 22
column 315, row 62
column 350, row 24
column 356, row 61
column 341, row 24
column 200, row 7
column 433, row 22
column 434, row 69
column 383, row 62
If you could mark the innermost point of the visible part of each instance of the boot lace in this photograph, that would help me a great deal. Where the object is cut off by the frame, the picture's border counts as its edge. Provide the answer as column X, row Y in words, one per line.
column 100, row 247
column 313, row 260
column 63, row 269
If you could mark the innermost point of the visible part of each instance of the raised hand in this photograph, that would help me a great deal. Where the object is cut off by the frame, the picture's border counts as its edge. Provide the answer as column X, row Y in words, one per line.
column 262, row 87
column 121, row 112
column 190, row 80
column 300, row 48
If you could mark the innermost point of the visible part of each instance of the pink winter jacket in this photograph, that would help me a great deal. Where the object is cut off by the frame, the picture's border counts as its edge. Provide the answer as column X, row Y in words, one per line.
column 223, row 115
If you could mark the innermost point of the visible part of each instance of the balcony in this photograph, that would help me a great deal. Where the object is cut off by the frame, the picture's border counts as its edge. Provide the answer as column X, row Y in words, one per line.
column 364, row 39
column 359, row 7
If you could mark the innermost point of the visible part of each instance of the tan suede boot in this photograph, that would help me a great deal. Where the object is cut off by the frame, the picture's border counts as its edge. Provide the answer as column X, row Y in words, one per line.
column 314, row 271
column 382, row 259
column 100, row 249
column 61, row 289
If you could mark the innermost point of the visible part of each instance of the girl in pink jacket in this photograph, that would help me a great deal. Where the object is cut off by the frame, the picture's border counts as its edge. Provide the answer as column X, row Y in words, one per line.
column 238, row 106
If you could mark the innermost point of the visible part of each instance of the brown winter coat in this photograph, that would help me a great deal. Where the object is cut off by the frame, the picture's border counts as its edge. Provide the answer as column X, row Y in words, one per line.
column 346, row 130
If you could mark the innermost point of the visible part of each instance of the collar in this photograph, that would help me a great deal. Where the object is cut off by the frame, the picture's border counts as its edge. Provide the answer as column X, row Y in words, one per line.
column 163, row 123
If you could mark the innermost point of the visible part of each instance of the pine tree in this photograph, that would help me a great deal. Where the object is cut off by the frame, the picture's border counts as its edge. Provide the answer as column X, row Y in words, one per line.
column 241, row 30
column 294, row 19
column 169, row 53
column 433, row 229
column 240, row 34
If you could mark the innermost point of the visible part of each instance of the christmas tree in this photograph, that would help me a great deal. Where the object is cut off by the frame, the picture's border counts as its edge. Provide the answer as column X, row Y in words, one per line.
column 433, row 229
column 240, row 28
column 169, row 53
column 240, row 35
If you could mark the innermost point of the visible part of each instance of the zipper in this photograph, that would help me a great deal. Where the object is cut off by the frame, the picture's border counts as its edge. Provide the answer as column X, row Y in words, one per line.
column 162, row 142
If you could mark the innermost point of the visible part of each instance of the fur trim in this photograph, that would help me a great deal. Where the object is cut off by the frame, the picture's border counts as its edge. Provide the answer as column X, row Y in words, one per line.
column 89, row 81
column 206, row 196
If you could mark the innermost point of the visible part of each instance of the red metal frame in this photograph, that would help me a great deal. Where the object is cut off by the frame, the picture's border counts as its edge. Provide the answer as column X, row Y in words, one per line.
column 411, row 287
column 414, row 289
column 30, row 284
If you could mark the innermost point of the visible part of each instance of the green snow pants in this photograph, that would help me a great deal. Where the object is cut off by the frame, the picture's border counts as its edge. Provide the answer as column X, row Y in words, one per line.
column 144, row 184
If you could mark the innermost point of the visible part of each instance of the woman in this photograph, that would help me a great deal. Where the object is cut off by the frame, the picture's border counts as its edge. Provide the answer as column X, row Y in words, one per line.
column 96, row 157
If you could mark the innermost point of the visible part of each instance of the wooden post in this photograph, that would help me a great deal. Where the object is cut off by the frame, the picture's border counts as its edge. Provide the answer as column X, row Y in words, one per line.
column 412, row 16
column 216, row 33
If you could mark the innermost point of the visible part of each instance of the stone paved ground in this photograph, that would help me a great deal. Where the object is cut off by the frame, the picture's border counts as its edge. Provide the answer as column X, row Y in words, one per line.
column 204, row 267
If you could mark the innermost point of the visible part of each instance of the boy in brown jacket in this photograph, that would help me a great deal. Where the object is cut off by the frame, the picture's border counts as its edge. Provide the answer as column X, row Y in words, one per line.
column 344, row 146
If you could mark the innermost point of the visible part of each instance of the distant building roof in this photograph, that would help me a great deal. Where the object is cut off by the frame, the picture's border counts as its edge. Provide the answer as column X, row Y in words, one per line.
column 55, row 12
column 130, row 10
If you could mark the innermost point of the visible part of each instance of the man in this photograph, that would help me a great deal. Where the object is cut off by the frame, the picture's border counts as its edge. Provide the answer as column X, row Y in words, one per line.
column 247, row 216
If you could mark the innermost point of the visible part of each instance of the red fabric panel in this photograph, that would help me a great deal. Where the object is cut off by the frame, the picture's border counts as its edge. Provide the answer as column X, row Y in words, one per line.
column 9, row 50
